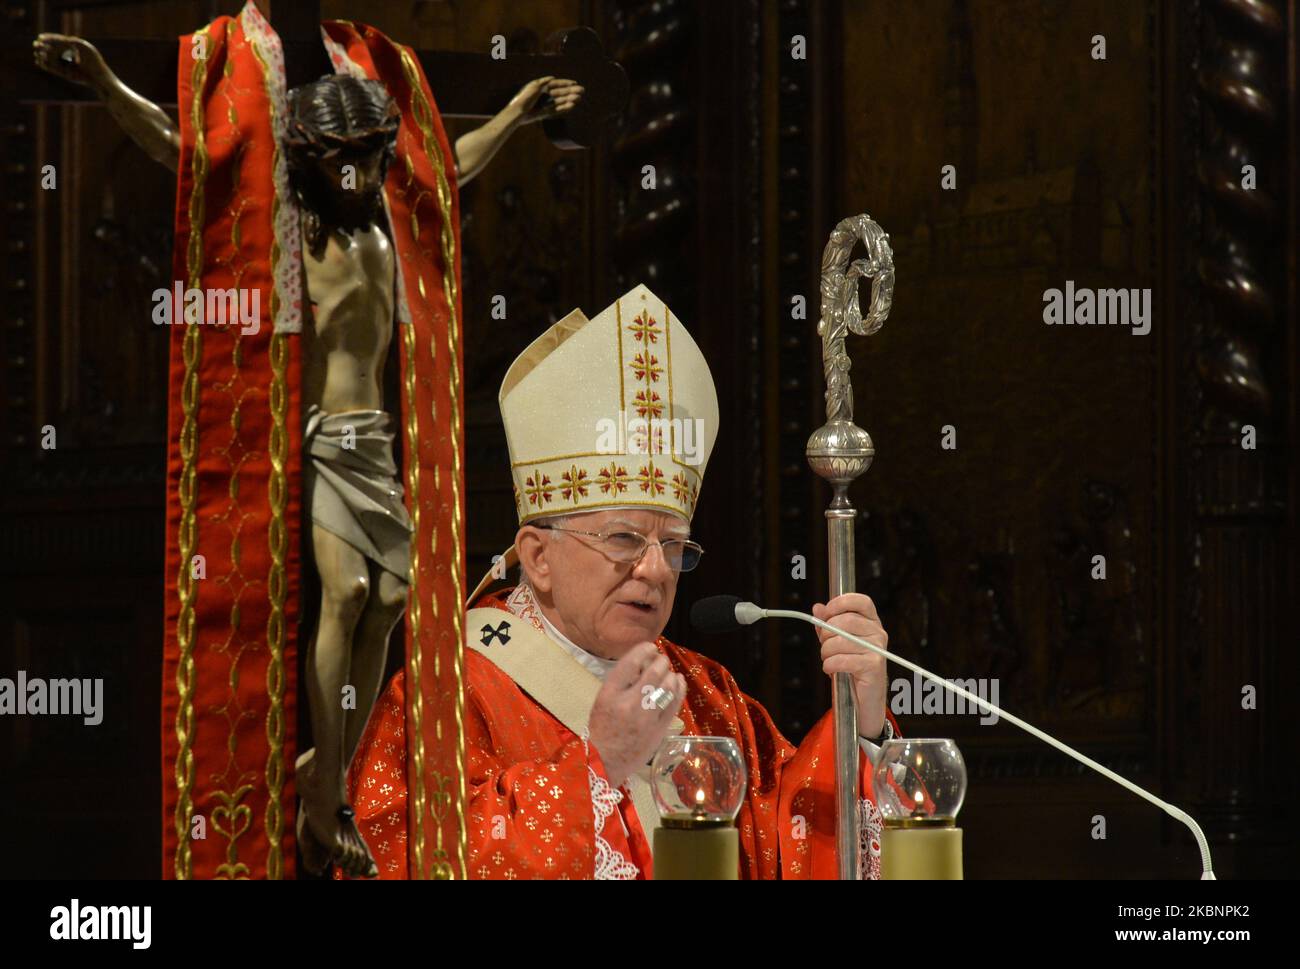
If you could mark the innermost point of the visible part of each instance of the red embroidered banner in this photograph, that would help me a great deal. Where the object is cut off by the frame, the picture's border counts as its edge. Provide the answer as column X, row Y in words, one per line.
column 233, row 502
column 424, row 212
column 234, row 466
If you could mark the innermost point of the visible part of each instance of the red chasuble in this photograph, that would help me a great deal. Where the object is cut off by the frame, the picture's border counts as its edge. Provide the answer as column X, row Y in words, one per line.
column 234, row 459
column 539, row 804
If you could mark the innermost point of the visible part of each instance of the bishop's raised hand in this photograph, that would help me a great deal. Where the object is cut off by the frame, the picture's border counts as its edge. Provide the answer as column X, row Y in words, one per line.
column 624, row 728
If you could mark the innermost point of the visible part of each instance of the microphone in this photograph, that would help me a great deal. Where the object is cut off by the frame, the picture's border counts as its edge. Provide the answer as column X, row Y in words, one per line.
column 721, row 614
column 717, row 614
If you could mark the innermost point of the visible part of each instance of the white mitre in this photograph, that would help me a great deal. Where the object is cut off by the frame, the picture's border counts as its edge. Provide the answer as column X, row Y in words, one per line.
column 618, row 411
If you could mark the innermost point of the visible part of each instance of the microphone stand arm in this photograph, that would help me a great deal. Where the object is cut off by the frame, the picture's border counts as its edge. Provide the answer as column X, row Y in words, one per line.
column 754, row 613
column 839, row 451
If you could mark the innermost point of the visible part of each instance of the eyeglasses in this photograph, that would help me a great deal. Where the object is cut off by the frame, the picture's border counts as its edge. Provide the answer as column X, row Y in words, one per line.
column 628, row 547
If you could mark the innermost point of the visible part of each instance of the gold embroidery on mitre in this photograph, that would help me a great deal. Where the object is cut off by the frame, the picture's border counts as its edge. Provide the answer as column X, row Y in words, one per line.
column 613, row 411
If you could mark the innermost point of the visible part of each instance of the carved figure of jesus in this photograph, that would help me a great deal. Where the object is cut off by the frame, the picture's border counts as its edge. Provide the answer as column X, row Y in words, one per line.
column 340, row 141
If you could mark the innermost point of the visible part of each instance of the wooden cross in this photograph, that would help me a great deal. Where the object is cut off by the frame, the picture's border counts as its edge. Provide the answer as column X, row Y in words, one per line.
column 466, row 85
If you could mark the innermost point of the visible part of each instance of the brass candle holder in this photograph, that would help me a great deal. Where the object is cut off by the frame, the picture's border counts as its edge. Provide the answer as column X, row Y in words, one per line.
column 699, row 786
column 920, row 785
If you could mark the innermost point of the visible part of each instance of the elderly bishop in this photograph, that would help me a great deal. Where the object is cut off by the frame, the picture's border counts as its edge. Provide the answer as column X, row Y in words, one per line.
column 557, row 670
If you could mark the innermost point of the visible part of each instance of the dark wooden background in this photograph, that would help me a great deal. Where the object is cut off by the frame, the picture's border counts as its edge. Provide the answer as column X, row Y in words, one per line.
column 1071, row 442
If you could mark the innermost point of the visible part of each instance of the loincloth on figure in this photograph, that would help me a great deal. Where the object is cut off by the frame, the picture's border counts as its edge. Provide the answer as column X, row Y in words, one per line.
column 351, row 485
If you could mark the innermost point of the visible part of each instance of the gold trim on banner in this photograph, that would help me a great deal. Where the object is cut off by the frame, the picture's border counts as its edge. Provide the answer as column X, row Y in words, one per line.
column 239, row 817
column 415, row 684
column 191, row 352
column 278, row 540
column 277, row 535
column 240, row 820
column 413, row 607
column 419, row 798
column 422, row 111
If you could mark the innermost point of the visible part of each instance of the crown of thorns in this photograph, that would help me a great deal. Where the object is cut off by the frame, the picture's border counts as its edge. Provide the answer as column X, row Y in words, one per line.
column 339, row 113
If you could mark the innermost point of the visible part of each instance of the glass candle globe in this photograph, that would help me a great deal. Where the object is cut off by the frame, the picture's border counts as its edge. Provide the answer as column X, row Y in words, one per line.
column 920, row 782
column 698, row 781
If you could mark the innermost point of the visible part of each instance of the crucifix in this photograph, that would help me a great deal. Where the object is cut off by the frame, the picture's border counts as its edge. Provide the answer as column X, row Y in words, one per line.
column 369, row 251
column 467, row 85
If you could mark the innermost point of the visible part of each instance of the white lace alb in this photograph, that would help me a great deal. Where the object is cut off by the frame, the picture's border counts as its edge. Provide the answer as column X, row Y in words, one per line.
column 610, row 863
column 870, row 822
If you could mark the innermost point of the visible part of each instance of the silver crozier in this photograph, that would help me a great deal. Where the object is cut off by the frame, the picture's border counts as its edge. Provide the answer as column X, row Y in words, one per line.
column 839, row 451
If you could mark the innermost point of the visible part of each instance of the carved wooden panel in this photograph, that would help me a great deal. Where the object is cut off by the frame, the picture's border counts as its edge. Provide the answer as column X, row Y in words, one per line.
column 1053, row 426
column 1235, row 542
column 1077, row 442
column 1011, row 454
